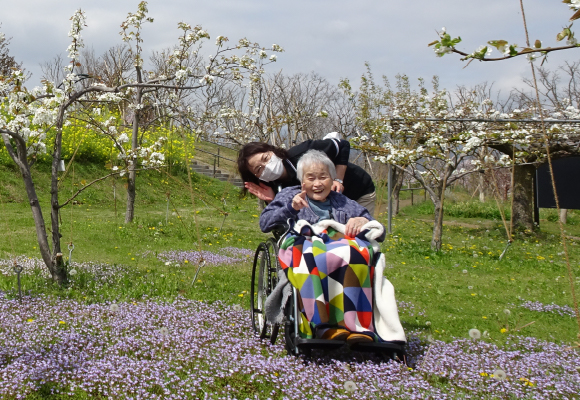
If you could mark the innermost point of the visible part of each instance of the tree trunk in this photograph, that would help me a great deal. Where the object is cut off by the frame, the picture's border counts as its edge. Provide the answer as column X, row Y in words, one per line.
column 261, row 205
column 563, row 215
column 398, row 177
column 58, row 270
column 523, row 197
column 481, row 188
column 132, row 176
column 436, row 238
column 438, row 197
column 52, row 261
column 39, row 224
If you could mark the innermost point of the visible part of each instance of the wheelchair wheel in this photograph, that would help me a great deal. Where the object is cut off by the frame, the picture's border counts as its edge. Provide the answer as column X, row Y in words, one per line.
column 290, row 336
column 292, row 342
column 264, row 279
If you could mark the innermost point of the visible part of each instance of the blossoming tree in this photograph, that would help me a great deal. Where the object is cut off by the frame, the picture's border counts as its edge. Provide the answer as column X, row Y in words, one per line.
column 26, row 116
column 7, row 62
column 550, row 137
column 407, row 135
column 526, row 154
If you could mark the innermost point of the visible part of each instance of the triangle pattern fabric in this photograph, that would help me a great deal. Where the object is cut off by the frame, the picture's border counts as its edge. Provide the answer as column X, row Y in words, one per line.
column 333, row 275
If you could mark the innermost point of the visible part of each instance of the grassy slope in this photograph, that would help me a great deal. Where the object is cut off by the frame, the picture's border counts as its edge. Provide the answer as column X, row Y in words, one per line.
column 453, row 301
column 99, row 233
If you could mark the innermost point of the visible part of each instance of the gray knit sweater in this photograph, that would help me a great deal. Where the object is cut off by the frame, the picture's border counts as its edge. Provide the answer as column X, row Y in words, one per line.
column 280, row 210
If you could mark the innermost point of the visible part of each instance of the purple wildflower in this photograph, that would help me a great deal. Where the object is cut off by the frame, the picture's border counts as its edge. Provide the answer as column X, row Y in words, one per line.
column 227, row 255
column 189, row 349
column 549, row 308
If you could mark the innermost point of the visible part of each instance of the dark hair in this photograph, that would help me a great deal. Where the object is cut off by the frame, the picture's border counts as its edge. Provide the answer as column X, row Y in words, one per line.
column 247, row 151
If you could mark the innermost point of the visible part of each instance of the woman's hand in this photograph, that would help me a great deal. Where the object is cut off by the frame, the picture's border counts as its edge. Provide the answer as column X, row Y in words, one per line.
column 263, row 192
column 299, row 201
column 337, row 187
column 354, row 225
column 340, row 171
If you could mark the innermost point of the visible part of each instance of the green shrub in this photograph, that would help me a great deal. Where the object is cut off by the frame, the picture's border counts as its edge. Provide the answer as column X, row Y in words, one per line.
column 425, row 208
column 464, row 209
column 551, row 215
column 475, row 209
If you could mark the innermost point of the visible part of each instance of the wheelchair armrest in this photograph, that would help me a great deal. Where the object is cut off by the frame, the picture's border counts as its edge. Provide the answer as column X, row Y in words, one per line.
column 280, row 230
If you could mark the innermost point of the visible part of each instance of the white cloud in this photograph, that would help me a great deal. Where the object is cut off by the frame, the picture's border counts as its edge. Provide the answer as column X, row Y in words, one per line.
column 332, row 38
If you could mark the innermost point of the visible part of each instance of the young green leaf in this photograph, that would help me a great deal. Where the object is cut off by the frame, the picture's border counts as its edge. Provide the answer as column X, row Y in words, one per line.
column 497, row 43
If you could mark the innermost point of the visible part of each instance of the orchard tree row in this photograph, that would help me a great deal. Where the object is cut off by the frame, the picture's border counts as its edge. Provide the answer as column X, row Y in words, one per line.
column 121, row 94
column 224, row 93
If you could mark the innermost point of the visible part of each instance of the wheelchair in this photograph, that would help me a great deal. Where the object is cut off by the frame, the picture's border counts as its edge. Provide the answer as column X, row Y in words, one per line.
column 264, row 280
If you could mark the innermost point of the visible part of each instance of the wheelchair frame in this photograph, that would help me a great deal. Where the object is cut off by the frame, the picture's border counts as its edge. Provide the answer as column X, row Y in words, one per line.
column 264, row 280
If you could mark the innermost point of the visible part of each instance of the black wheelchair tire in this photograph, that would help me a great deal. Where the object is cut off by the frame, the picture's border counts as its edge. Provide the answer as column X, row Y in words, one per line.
column 264, row 279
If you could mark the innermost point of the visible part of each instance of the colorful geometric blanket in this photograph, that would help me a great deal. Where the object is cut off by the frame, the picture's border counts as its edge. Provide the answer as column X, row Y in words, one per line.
column 333, row 275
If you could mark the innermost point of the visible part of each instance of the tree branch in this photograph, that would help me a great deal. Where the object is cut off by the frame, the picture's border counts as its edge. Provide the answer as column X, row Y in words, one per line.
column 9, row 147
column 528, row 51
column 90, row 184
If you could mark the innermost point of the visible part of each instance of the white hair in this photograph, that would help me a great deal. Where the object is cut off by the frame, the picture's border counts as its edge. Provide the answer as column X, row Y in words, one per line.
column 312, row 157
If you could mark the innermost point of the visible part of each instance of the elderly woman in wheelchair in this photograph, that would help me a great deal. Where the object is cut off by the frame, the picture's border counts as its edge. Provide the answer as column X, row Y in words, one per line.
column 327, row 282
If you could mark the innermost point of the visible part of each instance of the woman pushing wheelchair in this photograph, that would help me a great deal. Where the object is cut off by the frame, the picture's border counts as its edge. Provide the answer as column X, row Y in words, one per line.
column 266, row 169
column 329, row 256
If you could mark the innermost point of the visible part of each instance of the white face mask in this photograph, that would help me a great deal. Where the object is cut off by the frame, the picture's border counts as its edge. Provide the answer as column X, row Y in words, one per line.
column 273, row 169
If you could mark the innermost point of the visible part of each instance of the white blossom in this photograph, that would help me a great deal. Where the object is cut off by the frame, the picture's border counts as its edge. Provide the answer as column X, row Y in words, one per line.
column 123, row 138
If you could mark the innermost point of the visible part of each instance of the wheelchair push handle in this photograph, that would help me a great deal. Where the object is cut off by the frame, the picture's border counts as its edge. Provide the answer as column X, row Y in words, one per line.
column 279, row 231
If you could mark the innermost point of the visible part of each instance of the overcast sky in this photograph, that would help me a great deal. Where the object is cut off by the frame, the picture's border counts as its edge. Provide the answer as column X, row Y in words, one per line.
column 333, row 38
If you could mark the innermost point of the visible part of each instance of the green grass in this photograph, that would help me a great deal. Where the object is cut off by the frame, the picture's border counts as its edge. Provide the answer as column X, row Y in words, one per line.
column 224, row 164
column 453, row 301
column 466, row 286
column 100, row 234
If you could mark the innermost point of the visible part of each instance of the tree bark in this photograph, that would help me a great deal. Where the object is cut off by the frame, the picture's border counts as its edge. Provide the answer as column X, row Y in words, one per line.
column 39, row 224
column 19, row 156
column 523, row 197
column 436, row 238
column 58, row 270
column 398, row 177
column 563, row 215
column 132, row 176
column 437, row 195
column 481, row 188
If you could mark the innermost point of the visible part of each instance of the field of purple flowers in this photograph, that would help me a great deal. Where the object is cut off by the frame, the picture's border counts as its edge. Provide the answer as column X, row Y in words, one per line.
column 57, row 348
column 132, row 323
